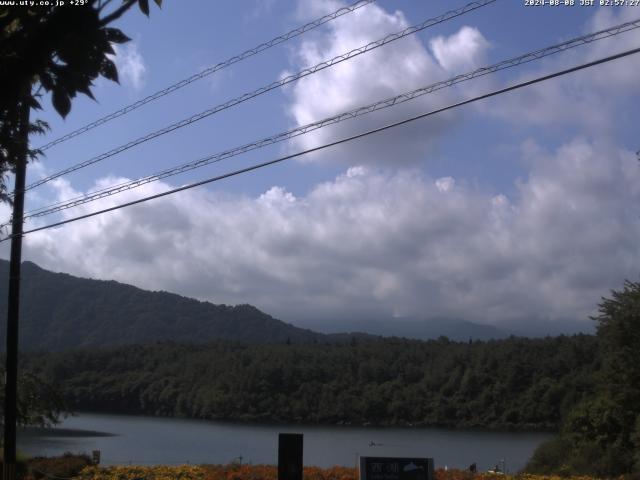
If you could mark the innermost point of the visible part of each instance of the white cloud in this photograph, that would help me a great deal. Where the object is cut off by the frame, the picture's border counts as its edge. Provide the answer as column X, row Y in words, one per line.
column 615, row 77
column 308, row 10
column 131, row 67
column 372, row 243
column 445, row 184
column 397, row 67
column 591, row 100
column 461, row 52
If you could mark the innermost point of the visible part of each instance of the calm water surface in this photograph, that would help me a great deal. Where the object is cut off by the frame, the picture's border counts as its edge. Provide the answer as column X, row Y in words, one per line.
column 149, row 440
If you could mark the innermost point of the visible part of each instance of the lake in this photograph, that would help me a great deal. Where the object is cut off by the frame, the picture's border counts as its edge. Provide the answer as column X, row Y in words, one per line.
column 141, row 440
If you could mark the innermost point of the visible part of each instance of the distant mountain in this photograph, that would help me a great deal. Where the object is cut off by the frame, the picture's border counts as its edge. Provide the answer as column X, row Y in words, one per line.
column 544, row 328
column 60, row 311
column 421, row 329
column 454, row 329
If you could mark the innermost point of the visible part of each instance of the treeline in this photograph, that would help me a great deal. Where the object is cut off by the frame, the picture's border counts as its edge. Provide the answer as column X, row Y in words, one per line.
column 601, row 434
column 514, row 383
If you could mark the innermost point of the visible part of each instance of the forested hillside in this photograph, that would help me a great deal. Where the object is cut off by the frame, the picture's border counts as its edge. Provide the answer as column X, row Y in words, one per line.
column 60, row 311
column 513, row 383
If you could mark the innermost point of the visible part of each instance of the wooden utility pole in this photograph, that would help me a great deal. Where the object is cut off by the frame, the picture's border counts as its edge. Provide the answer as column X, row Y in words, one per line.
column 13, row 311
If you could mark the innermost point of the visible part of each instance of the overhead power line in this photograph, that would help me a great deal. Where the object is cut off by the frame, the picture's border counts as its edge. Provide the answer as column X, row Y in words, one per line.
column 209, row 71
column 337, row 142
column 386, row 103
column 284, row 81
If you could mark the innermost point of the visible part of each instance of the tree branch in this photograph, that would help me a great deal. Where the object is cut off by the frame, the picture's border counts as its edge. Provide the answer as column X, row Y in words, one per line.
column 117, row 13
column 102, row 5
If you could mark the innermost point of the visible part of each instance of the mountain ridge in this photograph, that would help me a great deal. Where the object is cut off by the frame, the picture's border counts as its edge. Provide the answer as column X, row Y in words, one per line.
column 60, row 311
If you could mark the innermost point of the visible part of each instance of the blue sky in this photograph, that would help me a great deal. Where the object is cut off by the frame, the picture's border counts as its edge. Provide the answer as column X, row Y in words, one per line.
column 518, row 207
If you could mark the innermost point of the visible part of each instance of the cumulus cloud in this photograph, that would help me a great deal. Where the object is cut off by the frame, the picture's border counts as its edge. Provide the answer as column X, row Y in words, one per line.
column 591, row 100
column 130, row 63
column 462, row 51
column 372, row 242
column 397, row 67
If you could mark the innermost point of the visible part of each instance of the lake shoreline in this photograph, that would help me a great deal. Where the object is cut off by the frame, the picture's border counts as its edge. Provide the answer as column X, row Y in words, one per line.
column 270, row 422
column 54, row 431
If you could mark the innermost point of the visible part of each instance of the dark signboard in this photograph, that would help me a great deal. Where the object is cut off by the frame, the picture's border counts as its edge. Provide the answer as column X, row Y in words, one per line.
column 392, row 468
column 290, row 456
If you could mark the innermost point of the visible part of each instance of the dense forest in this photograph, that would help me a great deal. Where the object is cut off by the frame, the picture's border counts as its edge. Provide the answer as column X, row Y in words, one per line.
column 512, row 383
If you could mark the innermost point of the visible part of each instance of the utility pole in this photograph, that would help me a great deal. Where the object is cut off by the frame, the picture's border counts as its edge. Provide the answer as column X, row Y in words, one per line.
column 13, row 311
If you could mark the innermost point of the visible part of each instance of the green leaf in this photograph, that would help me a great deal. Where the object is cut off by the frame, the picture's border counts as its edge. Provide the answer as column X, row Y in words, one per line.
column 61, row 102
column 144, row 6
column 108, row 49
column 41, row 125
column 108, row 70
column 158, row 2
column 86, row 90
column 46, row 81
column 115, row 35
column 35, row 104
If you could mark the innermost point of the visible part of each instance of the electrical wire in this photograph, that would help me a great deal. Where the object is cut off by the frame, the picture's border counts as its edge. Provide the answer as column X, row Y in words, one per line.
column 386, row 103
column 209, row 71
column 337, row 142
column 284, row 81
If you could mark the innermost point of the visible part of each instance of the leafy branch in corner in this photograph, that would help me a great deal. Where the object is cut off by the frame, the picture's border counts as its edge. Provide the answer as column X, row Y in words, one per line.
column 61, row 50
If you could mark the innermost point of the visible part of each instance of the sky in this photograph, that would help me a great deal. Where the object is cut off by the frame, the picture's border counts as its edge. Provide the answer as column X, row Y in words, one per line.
column 519, row 208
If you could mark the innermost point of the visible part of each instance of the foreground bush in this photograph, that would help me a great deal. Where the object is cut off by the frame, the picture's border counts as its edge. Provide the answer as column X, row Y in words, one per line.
column 210, row 472
column 270, row 472
column 441, row 474
column 65, row 466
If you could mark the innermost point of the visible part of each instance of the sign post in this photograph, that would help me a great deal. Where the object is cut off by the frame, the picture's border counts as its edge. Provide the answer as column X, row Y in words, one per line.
column 290, row 456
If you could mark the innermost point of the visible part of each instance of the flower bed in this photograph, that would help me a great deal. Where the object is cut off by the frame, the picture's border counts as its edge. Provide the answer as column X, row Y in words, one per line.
column 270, row 472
